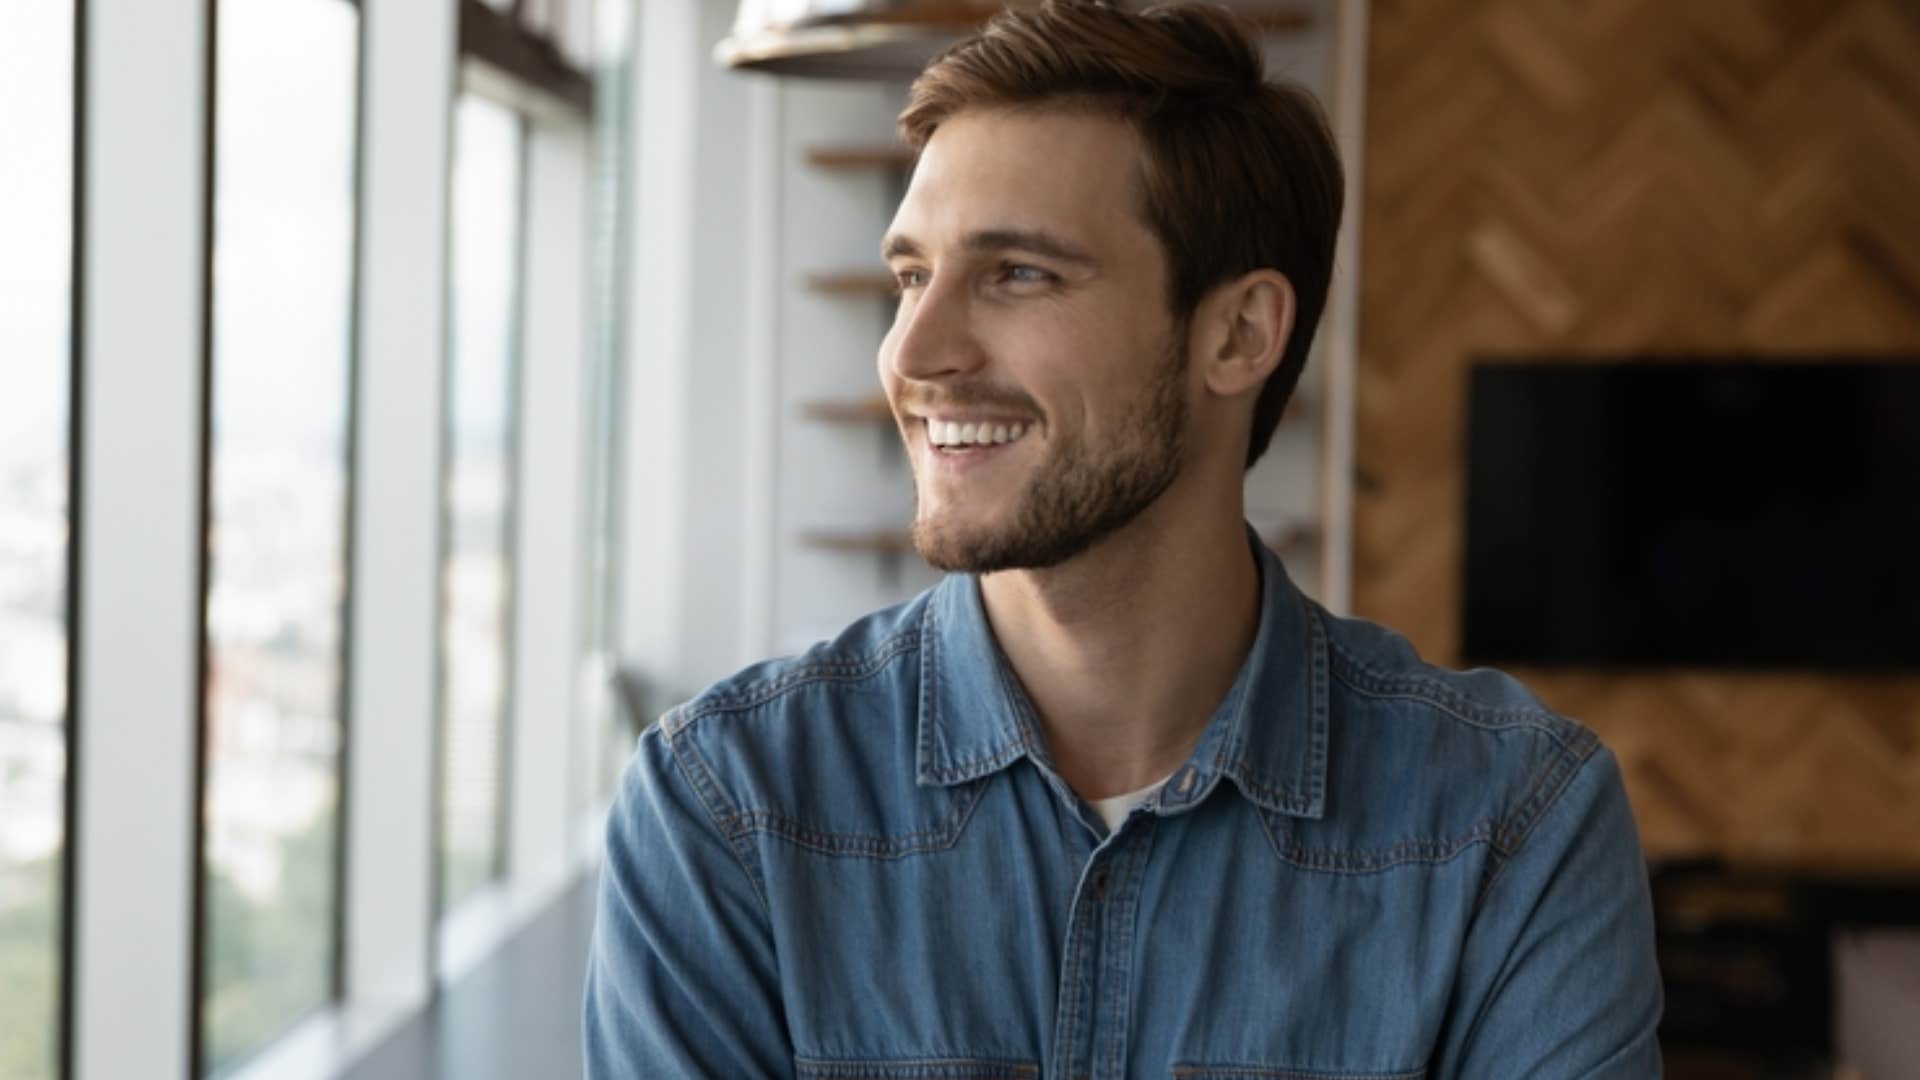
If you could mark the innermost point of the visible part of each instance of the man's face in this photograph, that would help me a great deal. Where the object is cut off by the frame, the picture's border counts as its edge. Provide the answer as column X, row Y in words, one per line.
column 1033, row 310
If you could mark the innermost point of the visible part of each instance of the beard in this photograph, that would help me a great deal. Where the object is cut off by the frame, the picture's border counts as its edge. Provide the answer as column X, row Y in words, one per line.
column 1080, row 494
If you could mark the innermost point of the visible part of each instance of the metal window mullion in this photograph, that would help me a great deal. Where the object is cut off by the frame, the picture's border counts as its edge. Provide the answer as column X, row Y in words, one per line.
column 407, row 87
column 350, row 548
column 139, row 416
column 76, row 458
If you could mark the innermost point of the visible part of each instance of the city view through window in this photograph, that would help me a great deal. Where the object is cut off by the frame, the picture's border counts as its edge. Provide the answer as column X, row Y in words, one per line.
column 476, row 577
column 36, row 221
column 285, row 152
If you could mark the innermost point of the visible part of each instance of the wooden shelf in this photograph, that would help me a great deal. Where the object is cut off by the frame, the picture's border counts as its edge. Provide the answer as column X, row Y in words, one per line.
column 875, row 408
column 848, row 411
column 1295, row 539
column 962, row 17
column 852, row 283
column 854, row 156
column 867, row 541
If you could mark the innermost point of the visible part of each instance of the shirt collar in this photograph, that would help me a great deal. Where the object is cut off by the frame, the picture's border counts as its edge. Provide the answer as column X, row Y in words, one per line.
column 1269, row 736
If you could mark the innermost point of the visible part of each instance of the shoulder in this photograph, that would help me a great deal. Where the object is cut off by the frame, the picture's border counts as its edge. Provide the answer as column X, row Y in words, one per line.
column 1374, row 664
column 864, row 649
column 786, row 745
column 1446, row 759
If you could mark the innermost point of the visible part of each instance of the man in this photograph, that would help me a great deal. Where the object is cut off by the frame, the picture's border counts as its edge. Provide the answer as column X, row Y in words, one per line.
column 1114, row 800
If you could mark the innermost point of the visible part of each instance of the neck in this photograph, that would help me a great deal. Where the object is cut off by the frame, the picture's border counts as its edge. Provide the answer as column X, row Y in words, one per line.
column 1128, row 649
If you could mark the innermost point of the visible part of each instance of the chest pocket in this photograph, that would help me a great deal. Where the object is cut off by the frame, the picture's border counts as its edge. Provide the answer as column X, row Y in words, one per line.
column 916, row 1069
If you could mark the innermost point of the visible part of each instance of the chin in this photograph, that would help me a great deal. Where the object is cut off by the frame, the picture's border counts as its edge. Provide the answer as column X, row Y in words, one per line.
column 956, row 548
column 987, row 550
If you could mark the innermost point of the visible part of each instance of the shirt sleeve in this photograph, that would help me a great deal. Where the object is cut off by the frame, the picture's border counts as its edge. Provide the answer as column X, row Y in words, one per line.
column 681, row 975
column 1559, row 977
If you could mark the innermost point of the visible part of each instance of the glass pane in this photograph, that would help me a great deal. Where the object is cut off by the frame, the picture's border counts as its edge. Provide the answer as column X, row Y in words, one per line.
column 283, row 275
column 477, row 575
column 36, row 113
column 605, row 734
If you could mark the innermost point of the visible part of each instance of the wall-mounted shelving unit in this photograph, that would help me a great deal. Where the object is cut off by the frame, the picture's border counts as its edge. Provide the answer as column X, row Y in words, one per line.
column 887, row 156
column 877, row 283
column 873, row 409
column 897, row 541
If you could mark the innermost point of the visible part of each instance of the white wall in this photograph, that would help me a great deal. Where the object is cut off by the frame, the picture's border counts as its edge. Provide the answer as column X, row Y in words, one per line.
column 684, row 501
column 718, row 386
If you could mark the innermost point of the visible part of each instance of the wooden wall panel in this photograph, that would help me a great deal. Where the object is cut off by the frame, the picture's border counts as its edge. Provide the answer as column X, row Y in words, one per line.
column 1581, row 176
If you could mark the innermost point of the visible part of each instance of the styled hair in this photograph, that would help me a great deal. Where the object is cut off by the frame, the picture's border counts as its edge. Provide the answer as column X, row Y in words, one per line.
column 1237, row 174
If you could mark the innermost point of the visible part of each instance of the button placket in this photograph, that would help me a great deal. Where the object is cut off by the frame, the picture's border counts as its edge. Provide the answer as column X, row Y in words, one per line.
column 1115, row 973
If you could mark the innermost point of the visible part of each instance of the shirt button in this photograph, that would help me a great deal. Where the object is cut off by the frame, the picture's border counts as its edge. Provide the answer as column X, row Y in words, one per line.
column 1097, row 884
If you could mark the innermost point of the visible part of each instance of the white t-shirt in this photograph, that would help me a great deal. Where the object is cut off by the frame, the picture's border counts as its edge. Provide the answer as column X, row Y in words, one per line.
column 1115, row 810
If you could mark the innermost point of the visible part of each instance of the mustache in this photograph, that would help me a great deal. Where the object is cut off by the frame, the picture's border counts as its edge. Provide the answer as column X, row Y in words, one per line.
column 967, row 397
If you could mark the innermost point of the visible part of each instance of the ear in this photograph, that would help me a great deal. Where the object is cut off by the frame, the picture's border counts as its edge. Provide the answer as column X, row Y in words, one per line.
column 1243, row 327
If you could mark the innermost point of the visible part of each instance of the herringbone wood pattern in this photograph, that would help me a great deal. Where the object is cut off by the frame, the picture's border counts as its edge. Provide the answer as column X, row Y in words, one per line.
column 1582, row 176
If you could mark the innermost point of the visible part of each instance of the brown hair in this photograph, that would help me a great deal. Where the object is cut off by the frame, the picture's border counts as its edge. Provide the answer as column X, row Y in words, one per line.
column 1238, row 174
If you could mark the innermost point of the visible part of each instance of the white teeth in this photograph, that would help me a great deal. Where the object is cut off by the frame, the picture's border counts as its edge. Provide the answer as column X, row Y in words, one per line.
column 945, row 433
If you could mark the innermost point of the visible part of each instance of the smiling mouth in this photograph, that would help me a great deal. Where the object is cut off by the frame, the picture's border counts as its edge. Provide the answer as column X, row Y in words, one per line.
column 950, row 437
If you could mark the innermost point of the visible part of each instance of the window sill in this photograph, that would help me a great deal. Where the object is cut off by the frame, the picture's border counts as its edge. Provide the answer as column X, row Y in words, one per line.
column 325, row 1044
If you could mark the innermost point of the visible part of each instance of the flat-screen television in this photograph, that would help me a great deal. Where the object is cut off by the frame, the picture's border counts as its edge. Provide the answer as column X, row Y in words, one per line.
column 1684, row 512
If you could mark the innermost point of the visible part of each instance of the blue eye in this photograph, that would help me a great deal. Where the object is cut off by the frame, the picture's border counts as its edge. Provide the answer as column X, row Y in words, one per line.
column 1026, row 275
column 909, row 279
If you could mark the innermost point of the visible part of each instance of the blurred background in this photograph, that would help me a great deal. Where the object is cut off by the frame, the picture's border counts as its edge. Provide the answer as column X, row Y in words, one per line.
column 403, row 402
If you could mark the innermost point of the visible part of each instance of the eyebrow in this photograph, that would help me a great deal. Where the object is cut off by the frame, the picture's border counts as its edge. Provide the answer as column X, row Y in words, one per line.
column 1037, row 241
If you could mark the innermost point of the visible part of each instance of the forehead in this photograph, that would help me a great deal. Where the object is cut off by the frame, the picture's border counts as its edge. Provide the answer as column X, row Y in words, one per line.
column 1066, row 172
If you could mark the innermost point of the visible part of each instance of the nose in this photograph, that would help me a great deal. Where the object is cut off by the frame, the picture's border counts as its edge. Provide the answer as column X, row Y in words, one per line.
column 932, row 336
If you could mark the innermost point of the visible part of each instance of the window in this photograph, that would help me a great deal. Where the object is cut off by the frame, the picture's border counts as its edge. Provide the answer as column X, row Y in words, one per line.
column 284, row 218
column 36, row 216
column 477, row 572
column 605, row 732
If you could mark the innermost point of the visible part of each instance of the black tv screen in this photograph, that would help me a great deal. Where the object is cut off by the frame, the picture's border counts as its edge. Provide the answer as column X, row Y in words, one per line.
column 1659, row 512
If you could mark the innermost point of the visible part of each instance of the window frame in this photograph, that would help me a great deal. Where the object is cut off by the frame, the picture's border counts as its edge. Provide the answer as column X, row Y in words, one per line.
column 64, row 1005
column 133, row 732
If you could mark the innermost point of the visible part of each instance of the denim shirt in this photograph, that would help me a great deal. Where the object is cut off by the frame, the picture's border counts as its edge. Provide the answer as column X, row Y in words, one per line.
column 860, row 863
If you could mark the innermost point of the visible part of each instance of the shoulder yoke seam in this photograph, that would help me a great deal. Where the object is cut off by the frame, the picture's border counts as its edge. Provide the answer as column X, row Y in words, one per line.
column 1362, row 679
column 1548, row 790
column 695, row 772
column 720, row 700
